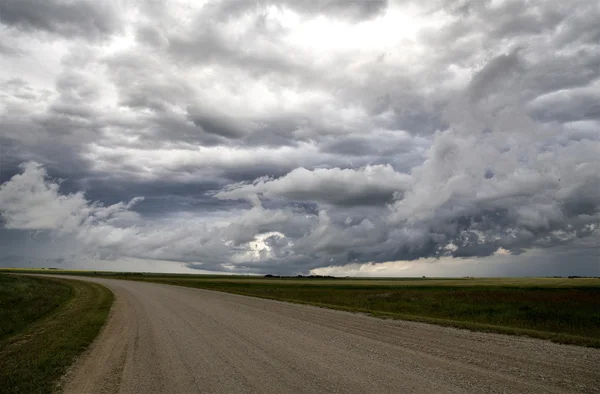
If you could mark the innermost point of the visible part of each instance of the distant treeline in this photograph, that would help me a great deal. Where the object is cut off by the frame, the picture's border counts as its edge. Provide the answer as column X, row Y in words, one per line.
column 301, row 276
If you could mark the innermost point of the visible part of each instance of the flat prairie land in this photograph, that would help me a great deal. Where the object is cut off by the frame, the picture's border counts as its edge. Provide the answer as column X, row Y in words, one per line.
column 564, row 310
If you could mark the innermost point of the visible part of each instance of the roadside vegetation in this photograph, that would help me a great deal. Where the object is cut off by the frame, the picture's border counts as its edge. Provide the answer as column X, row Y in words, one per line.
column 24, row 300
column 44, row 324
column 565, row 310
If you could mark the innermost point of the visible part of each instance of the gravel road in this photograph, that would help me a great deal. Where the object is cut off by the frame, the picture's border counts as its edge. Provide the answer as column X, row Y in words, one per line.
column 168, row 339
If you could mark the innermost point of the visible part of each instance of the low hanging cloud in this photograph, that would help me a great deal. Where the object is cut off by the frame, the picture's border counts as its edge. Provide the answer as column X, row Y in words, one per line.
column 480, row 194
column 211, row 121
column 370, row 185
column 31, row 202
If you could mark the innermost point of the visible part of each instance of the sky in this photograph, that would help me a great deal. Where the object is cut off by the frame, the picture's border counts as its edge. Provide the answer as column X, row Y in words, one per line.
column 334, row 137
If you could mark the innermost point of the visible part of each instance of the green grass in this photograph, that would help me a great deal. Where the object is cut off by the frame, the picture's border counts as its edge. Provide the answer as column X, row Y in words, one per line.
column 24, row 300
column 49, row 322
column 560, row 309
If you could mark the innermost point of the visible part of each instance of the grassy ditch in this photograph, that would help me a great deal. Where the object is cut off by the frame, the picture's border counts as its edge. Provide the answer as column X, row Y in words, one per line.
column 46, row 323
column 24, row 300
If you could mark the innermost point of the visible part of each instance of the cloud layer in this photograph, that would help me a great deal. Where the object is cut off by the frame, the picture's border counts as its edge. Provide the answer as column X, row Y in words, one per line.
column 285, row 137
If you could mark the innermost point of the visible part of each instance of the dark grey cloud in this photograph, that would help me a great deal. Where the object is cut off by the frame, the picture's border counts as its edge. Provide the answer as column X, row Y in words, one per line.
column 290, row 136
column 80, row 18
column 353, row 10
column 353, row 146
column 220, row 124
column 570, row 106
column 8, row 50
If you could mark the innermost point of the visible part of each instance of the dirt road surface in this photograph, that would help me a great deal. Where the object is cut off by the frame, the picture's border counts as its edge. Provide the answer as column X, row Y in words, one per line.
column 168, row 339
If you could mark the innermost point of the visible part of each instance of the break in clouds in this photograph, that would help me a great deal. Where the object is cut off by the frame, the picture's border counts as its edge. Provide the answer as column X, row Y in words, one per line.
column 332, row 137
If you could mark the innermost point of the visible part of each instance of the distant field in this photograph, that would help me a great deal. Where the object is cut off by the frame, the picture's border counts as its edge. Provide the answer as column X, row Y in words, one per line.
column 44, row 324
column 561, row 309
column 406, row 282
column 417, row 281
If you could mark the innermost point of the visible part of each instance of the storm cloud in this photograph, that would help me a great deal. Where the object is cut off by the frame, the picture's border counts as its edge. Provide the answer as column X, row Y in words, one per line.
column 293, row 137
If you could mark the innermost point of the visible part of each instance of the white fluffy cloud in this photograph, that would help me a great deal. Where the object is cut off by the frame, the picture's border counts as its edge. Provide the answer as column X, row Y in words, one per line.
column 367, row 185
column 30, row 202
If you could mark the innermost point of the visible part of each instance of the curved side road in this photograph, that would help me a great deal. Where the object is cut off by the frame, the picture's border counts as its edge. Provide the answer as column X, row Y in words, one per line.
column 168, row 339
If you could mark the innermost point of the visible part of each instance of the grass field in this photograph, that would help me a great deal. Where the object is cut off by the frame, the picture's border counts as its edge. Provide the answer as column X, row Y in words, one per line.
column 24, row 300
column 560, row 309
column 45, row 323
